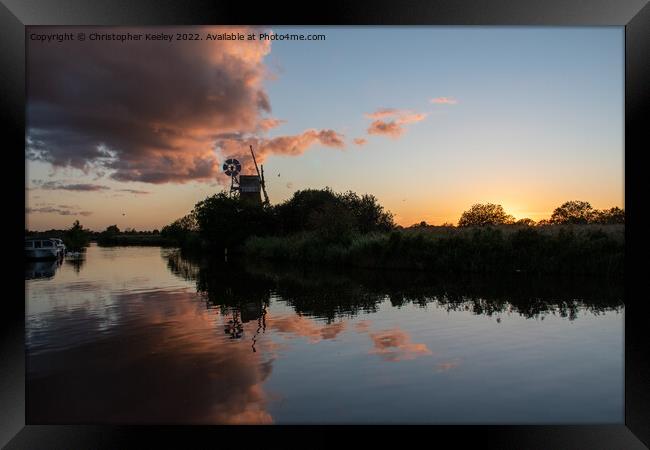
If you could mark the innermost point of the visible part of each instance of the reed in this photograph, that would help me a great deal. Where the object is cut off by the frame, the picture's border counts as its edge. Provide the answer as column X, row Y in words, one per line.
column 554, row 249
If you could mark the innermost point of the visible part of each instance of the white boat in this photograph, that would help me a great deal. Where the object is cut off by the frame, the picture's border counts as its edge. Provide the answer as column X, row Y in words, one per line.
column 41, row 249
column 60, row 245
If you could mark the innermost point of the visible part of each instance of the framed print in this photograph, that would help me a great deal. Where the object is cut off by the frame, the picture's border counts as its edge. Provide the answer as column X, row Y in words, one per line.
column 248, row 222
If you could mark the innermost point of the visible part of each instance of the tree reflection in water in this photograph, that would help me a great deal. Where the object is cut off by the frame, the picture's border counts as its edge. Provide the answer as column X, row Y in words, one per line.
column 243, row 289
column 76, row 264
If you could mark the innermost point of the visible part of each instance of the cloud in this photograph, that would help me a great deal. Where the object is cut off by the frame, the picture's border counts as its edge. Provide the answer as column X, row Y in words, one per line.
column 383, row 112
column 362, row 326
column 134, row 191
column 390, row 121
column 294, row 145
column 391, row 128
column 231, row 376
column 143, row 111
column 81, row 187
column 61, row 210
column 360, row 141
column 270, row 123
column 289, row 185
column 444, row 101
column 396, row 345
column 294, row 325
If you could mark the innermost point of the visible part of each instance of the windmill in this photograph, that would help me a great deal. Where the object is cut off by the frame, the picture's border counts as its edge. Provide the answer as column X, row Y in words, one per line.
column 248, row 186
column 232, row 167
column 260, row 176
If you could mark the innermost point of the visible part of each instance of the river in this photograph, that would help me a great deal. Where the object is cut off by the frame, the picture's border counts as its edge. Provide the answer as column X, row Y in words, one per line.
column 140, row 335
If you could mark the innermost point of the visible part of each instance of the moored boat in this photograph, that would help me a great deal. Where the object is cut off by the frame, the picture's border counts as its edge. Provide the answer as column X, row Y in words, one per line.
column 60, row 245
column 41, row 249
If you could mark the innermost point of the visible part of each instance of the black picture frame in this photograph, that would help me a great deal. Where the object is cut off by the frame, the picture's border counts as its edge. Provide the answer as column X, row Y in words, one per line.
column 633, row 14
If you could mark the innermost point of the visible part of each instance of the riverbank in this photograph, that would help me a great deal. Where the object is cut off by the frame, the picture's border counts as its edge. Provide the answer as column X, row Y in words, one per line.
column 136, row 240
column 556, row 249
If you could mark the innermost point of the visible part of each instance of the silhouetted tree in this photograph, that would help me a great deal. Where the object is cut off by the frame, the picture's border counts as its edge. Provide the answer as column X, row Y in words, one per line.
column 226, row 222
column 608, row 216
column 369, row 214
column 76, row 237
column 297, row 213
column 293, row 214
column 112, row 229
column 422, row 224
column 483, row 215
column 333, row 222
column 525, row 221
column 573, row 212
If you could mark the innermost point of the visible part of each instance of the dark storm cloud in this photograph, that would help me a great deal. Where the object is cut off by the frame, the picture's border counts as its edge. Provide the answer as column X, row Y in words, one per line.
column 146, row 111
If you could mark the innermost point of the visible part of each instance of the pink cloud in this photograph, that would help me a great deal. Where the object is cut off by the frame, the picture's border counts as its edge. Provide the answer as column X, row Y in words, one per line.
column 380, row 127
column 362, row 326
column 160, row 121
column 394, row 127
column 270, row 123
column 157, row 123
column 360, row 141
column 396, row 345
column 444, row 101
column 301, row 326
column 293, row 145
column 383, row 112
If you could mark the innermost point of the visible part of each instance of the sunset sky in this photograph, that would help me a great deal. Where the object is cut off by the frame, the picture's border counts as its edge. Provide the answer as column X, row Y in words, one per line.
column 428, row 119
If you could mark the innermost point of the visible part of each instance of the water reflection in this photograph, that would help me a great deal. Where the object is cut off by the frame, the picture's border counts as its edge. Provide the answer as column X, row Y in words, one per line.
column 146, row 335
column 41, row 269
column 76, row 263
column 332, row 294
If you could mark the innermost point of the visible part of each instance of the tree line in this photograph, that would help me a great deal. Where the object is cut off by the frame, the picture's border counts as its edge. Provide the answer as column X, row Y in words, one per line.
column 225, row 221
column 575, row 212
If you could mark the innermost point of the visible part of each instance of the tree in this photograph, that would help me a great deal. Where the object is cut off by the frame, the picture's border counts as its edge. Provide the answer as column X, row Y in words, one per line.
column 333, row 223
column 185, row 231
column 480, row 215
column 367, row 214
column 226, row 222
column 526, row 221
column 76, row 237
column 293, row 214
column 112, row 229
column 573, row 212
column 608, row 216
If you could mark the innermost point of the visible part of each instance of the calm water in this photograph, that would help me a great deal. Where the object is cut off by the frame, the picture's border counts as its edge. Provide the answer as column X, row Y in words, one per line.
column 142, row 335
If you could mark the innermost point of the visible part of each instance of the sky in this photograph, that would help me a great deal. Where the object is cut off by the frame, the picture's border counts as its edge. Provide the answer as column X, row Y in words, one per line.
column 430, row 120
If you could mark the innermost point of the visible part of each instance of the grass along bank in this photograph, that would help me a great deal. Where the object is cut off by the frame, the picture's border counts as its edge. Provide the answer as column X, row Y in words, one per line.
column 553, row 249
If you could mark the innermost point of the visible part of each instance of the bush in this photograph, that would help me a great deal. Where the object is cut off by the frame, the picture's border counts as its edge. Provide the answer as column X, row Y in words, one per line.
column 76, row 238
column 308, row 209
column 226, row 222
